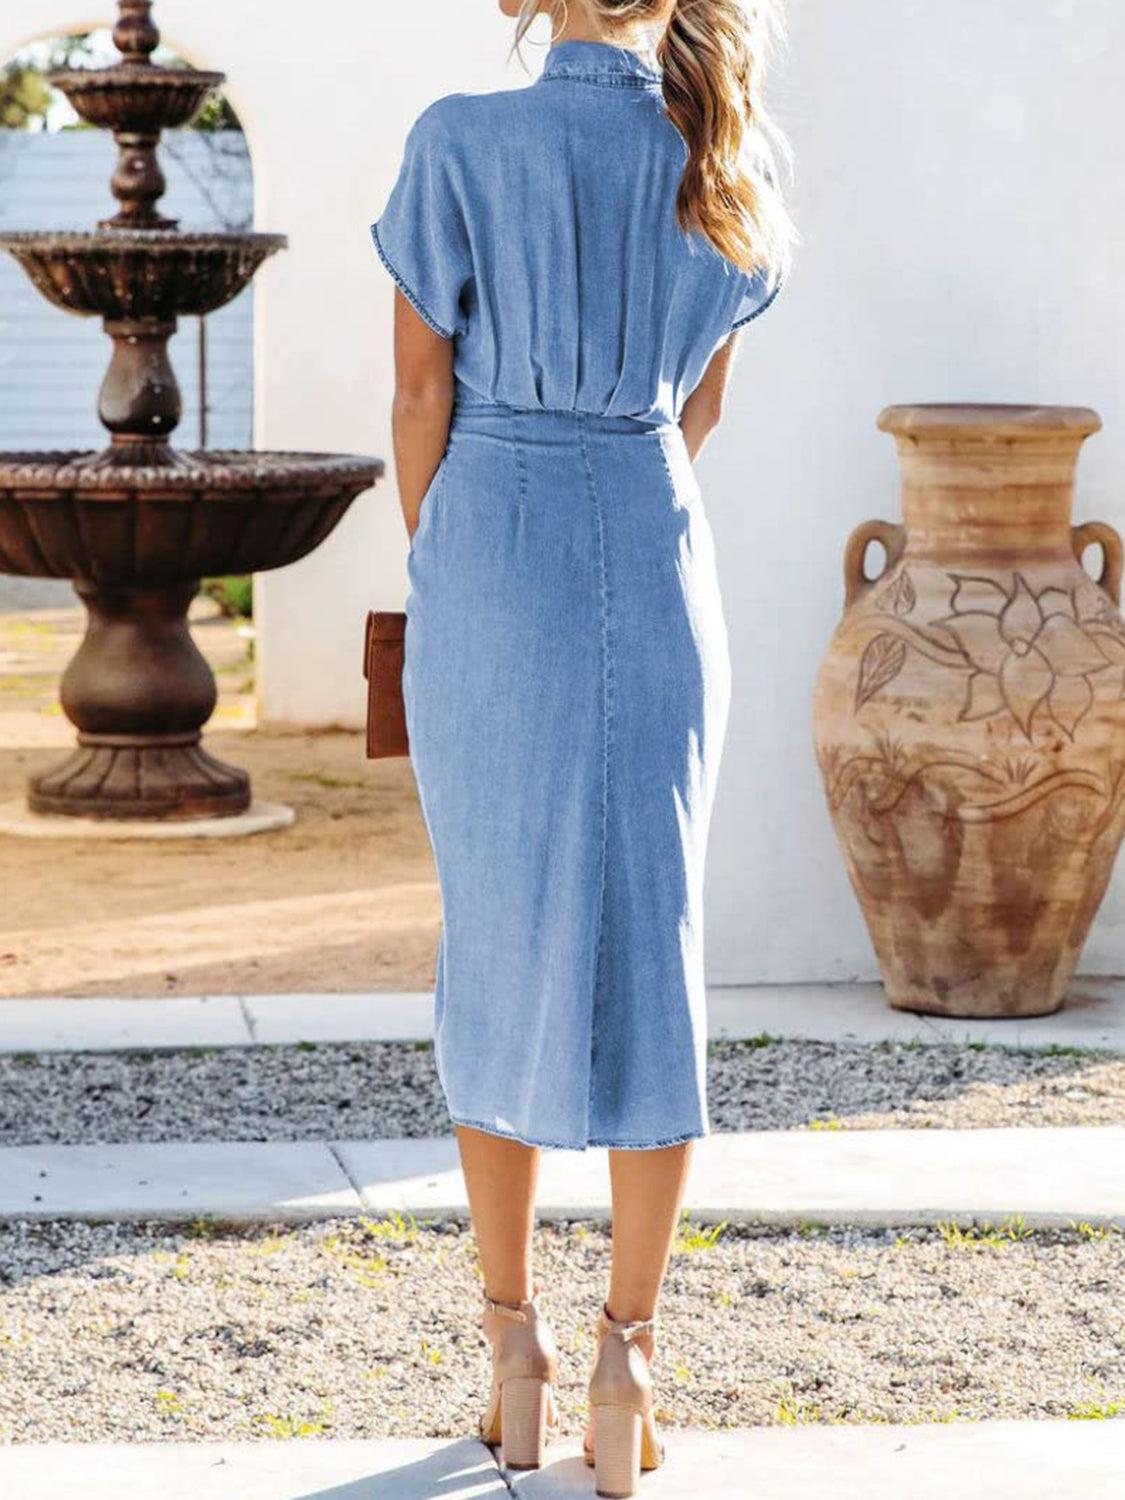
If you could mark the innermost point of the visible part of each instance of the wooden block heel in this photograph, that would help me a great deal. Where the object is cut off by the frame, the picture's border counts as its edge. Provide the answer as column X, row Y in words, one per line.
column 523, row 1422
column 617, row 1451
column 521, row 1411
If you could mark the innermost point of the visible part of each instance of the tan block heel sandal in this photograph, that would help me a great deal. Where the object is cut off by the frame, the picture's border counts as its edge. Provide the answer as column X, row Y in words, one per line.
column 623, row 1428
column 521, row 1408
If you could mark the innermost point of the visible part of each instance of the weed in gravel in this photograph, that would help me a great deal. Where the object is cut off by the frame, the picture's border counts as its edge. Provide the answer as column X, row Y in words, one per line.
column 177, row 1262
column 827, row 1122
column 984, row 1237
column 202, row 1229
column 25, row 1060
column 791, row 1411
column 368, row 1270
column 1086, row 1231
column 1091, row 1412
column 270, row 1244
column 692, row 1239
column 763, row 1039
column 735, row 1045
column 287, row 1427
column 394, row 1229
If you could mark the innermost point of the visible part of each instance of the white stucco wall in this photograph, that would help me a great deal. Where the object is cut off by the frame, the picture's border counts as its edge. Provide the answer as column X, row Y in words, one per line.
column 959, row 193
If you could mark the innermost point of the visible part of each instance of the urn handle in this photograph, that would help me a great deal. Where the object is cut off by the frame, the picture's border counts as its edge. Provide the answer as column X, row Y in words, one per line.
column 1101, row 534
column 892, row 539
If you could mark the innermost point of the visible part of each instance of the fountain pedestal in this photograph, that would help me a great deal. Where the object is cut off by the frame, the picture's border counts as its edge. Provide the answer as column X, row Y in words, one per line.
column 139, row 692
column 138, row 524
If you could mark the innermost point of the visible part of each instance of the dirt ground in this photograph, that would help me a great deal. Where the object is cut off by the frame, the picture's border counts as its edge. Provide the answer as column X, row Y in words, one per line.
column 346, row 900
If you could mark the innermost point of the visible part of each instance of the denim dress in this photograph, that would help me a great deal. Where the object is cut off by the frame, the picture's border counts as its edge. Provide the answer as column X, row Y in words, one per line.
column 567, row 676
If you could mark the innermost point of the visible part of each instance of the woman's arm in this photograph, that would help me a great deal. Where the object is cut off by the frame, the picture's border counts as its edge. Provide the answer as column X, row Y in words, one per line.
column 423, row 406
column 703, row 409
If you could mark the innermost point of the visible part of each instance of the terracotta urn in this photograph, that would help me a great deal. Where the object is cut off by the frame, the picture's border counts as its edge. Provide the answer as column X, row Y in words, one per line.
column 970, row 713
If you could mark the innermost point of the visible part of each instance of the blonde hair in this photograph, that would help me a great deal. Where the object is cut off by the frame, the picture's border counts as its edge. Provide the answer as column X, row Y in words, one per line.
column 713, row 56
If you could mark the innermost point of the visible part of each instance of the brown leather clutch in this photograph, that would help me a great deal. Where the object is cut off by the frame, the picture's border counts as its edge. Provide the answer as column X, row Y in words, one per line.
column 384, row 642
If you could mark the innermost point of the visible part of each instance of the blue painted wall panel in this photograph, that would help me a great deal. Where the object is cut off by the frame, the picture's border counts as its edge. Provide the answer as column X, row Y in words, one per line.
column 52, row 363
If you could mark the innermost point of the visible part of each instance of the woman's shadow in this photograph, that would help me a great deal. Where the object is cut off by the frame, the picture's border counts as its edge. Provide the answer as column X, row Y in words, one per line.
column 462, row 1470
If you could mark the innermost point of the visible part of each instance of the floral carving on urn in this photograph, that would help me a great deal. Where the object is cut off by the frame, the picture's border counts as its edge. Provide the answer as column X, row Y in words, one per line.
column 970, row 714
column 1026, row 652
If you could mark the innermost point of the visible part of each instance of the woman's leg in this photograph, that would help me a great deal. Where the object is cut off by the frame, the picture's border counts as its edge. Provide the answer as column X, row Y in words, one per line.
column 648, row 1189
column 500, row 1176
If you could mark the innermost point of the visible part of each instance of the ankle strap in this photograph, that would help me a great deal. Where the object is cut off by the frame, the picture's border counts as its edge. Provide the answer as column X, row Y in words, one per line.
column 627, row 1331
column 516, row 1312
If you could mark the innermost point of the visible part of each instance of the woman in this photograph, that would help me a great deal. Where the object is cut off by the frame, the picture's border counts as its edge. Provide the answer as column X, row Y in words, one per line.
column 572, row 260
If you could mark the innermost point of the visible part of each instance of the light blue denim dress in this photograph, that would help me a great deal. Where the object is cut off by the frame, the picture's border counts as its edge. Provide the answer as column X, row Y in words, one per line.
column 567, row 676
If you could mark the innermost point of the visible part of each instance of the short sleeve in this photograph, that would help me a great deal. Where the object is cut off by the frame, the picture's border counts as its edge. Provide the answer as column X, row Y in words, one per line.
column 760, row 290
column 422, row 234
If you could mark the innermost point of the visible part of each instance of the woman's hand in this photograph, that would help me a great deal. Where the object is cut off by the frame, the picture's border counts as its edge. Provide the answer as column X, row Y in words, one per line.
column 423, row 406
column 703, row 409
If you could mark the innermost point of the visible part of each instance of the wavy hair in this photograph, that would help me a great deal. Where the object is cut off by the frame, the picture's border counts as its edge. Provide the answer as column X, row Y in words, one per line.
column 713, row 56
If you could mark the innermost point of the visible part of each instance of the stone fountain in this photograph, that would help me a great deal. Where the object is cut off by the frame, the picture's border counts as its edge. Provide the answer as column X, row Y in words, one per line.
column 139, row 524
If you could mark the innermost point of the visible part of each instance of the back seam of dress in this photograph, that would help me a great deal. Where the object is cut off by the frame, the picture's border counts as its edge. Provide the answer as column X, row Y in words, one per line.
column 607, row 714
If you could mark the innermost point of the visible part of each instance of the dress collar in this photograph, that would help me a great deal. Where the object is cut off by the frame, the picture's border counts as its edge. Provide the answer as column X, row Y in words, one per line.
column 599, row 62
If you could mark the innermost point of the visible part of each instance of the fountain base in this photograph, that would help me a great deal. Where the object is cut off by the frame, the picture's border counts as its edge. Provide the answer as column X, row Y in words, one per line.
column 18, row 821
column 135, row 776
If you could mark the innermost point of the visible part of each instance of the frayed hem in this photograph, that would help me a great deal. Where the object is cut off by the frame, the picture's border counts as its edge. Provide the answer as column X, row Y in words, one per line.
column 661, row 1145
column 592, row 1145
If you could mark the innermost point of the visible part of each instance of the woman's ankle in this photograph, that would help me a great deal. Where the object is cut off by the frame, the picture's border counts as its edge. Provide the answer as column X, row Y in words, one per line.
column 512, row 1292
column 628, row 1310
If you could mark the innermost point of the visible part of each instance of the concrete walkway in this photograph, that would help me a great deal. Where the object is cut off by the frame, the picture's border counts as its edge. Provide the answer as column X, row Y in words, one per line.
column 295, row 1470
column 1003, row 1460
column 1050, row 1177
column 1093, row 1018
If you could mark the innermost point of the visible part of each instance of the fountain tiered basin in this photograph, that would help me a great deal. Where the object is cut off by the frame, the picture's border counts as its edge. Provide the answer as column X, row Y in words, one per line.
column 138, row 524
column 139, row 273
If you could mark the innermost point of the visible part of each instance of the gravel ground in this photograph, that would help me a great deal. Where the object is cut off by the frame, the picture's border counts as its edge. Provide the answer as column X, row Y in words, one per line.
column 389, row 1089
column 127, row 1333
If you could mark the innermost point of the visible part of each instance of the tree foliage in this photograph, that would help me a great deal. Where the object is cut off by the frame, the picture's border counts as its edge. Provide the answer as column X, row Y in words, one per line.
column 24, row 97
